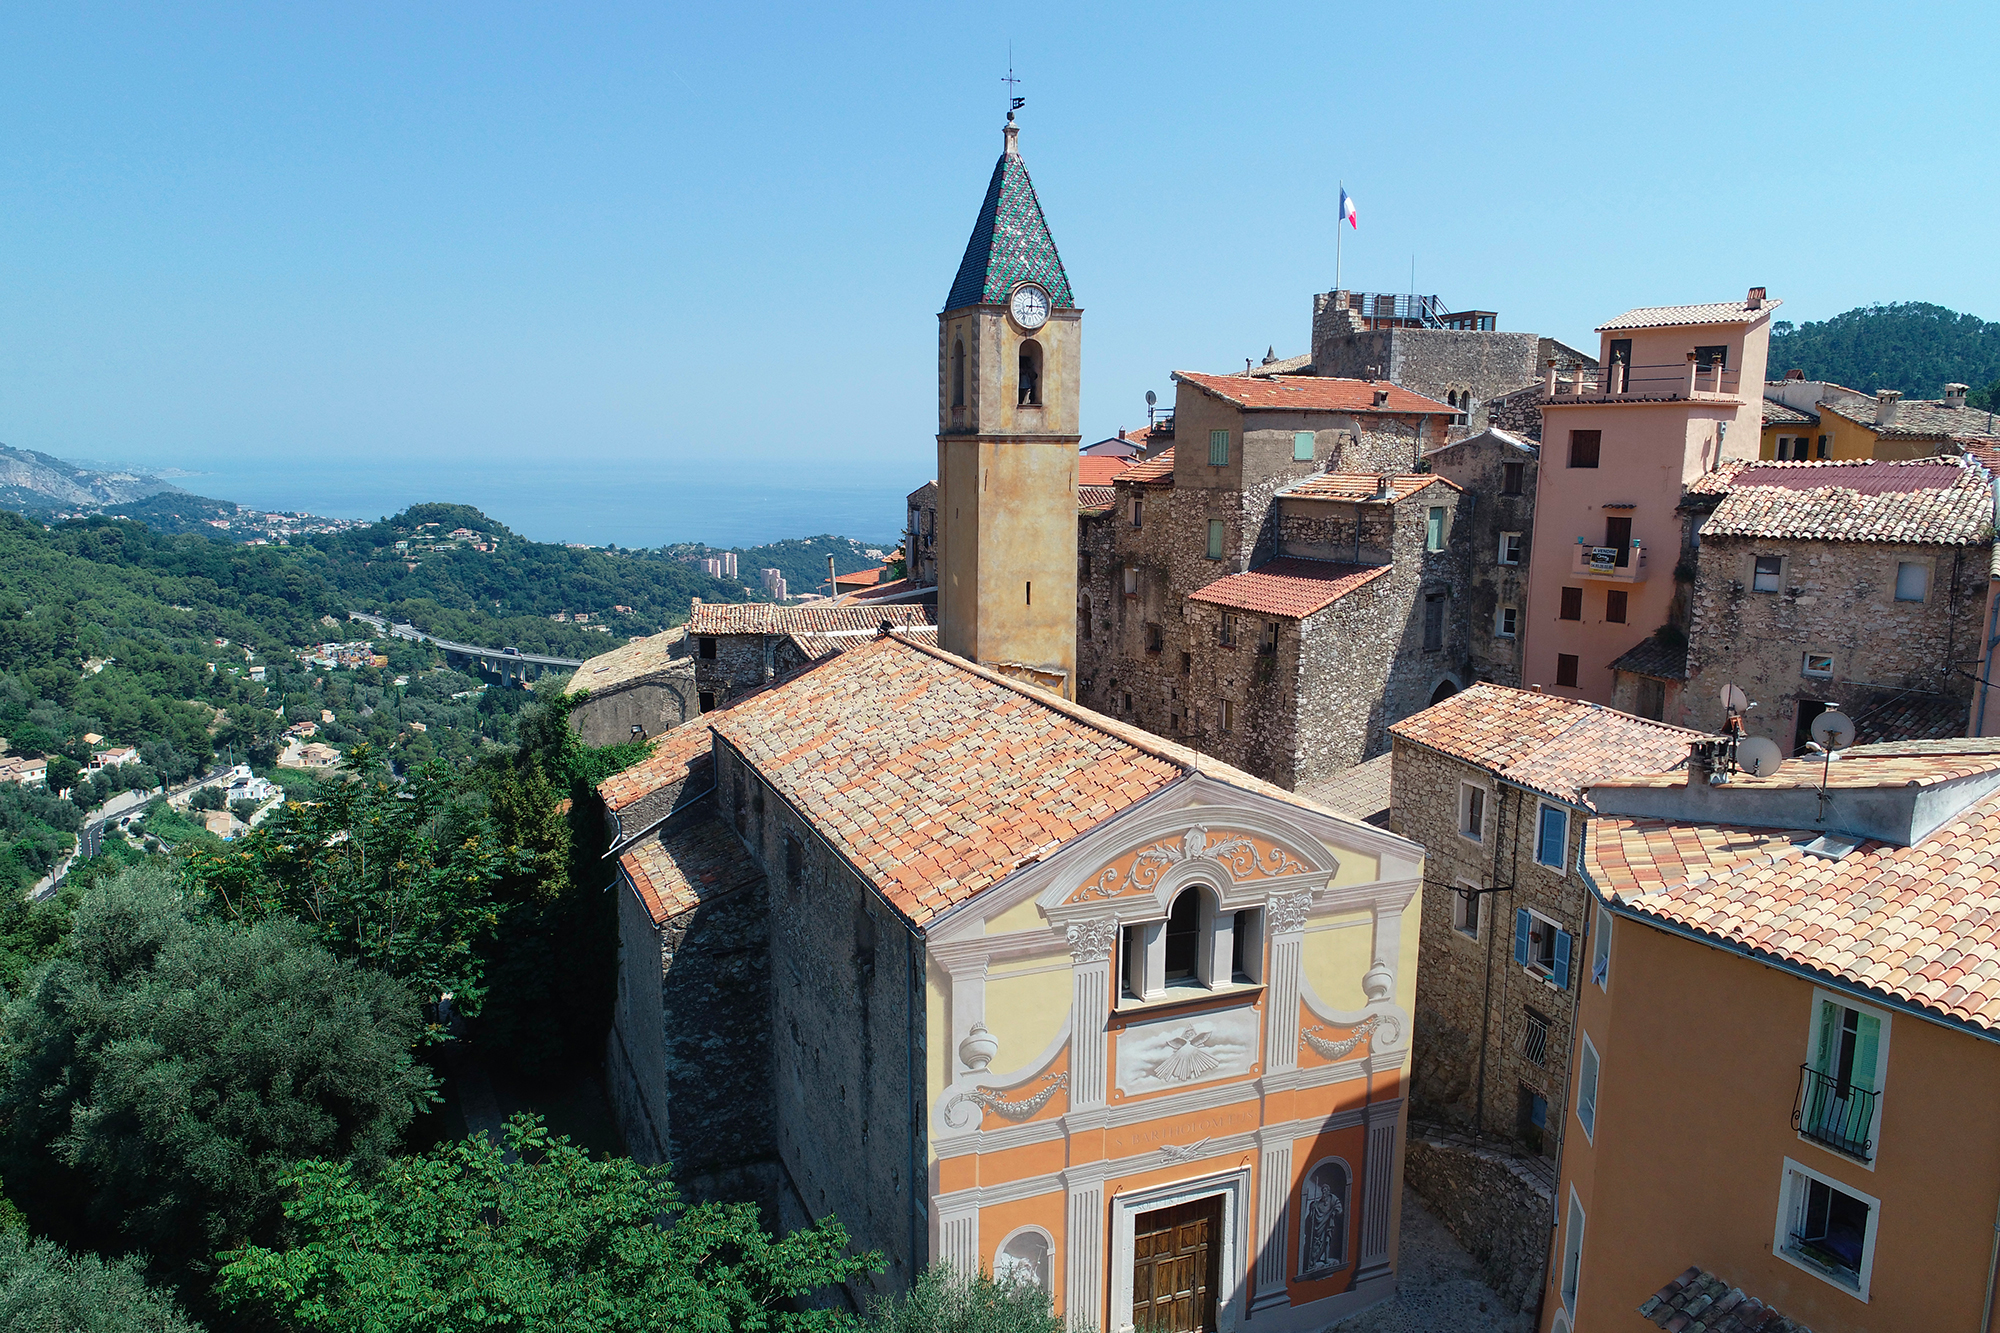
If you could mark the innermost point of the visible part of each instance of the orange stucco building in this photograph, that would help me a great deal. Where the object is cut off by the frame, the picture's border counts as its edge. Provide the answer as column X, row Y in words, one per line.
column 1786, row 1061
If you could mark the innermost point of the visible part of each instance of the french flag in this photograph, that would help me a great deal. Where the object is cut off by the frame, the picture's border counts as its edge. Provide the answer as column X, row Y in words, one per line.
column 1347, row 213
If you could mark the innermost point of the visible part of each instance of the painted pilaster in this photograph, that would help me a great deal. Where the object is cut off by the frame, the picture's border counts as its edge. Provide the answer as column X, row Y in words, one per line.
column 1285, row 922
column 1274, row 1188
column 1083, row 1256
column 1090, row 947
column 1382, row 1124
column 958, row 1238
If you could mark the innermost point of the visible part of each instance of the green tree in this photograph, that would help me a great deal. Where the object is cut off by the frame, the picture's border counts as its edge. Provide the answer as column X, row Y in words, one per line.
column 533, row 1237
column 208, row 798
column 945, row 1300
column 165, row 1068
column 46, row 1289
column 397, row 876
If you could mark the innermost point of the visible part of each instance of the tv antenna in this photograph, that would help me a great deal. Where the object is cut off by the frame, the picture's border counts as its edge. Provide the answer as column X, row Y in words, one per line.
column 1013, row 103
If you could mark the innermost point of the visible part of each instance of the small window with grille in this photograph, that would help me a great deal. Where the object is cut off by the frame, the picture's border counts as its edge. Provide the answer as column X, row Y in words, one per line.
column 1533, row 1041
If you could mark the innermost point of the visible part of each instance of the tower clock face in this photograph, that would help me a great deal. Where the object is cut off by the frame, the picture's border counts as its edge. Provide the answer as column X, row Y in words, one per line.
column 1029, row 306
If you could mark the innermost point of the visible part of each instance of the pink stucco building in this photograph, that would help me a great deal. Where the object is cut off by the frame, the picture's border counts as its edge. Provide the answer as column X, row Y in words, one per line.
column 1678, row 390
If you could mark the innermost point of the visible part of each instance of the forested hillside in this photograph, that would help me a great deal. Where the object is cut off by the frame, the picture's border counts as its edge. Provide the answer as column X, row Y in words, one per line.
column 1909, row 345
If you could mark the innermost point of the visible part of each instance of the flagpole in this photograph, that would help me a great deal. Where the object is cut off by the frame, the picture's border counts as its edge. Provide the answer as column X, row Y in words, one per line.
column 1338, row 222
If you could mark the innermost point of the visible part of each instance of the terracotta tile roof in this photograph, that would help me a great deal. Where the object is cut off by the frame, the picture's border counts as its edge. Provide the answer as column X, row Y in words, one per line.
column 1699, row 1300
column 1916, row 418
column 875, row 593
column 1650, row 657
column 1883, row 766
column 1902, row 500
column 1362, row 791
column 1159, row 468
column 1090, row 499
column 1552, row 745
column 675, row 756
column 768, row 618
column 1915, row 924
column 1777, row 414
column 1310, row 393
column 1359, row 486
column 682, row 867
column 1899, row 719
column 1099, row 469
column 1983, row 450
column 634, row 661
column 1284, row 365
column 932, row 779
column 1672, row 316
column 1288, row 586
column 818, row 646
column 860, row 578
column 1508, row 438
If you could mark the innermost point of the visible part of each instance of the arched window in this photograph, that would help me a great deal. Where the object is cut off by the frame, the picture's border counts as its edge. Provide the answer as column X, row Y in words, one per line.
column 958, row 373
column 1444, row 691
column 1024, row 1258
column 1325, row 1201
column 1184, row 938
column 1031, row 374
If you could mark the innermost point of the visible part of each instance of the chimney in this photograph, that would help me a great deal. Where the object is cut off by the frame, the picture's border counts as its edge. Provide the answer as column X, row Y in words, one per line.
column 1886, row 402
column 1381, row 398
column 1795, row 375
column 1756, row 298
column 1954, row 395
column 1385, row 485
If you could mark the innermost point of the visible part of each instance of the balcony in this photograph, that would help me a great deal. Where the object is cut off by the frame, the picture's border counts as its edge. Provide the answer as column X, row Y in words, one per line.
column 1602, row 562
column 1689, row 381
column 1835, row 1115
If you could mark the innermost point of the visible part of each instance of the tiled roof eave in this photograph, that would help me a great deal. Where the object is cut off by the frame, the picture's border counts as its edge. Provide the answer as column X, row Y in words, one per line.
column 1574, row 802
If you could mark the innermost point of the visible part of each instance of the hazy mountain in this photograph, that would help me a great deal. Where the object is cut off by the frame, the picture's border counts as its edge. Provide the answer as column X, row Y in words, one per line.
column 30, row 480
column 1910, row 345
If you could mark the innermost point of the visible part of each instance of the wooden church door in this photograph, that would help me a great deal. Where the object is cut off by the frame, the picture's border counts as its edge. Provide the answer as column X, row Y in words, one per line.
column 1176, row 1261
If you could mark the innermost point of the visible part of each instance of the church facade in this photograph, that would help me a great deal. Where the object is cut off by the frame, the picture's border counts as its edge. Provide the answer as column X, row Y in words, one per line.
column 913, row 940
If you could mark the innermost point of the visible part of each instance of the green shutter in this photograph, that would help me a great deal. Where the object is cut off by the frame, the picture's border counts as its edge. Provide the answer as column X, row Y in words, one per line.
column 1829, row 1033
column 1302, row 446
column 1215, row 539
column 1218, row 448
column 1867, row 1051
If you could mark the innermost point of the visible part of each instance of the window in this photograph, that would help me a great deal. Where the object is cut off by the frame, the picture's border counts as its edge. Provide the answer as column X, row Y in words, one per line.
column 1511, row 475
column 795, row 859
column 706, row 701
column 1533, row 1045
column 1227, row 633
column 1586, row 1089
column 1267, row 638
column 1618, row 536
column 1302, row 446
column 958, row 373
column 1710, row 358
column 1131, row 580
column 705, row 648
column 1821, row 453
column 1541, row 946
column 1471, row 810
column 1215, row 535
column 1572, row 604
column 1508, row 622
column 1184, row 937
column 1913, row 580
column 1764, row 577
column 1246, row 946
column 1434, row 529
column 1156, row 638
column 1510, row 548
column 1031, row 374
column 1566, row 669
column 1840, row 1089
column 1228, row 716
column 1572, row 1252
column 1826, row 1228
column 1551, row 836
column 1126, row 707
column 1083, row 614
column 1433, row 622
column 1465, row 912
column 1138, row 511
column 1218, row 448
column 1600, row 949
column 1584, row 446
column 1614, row 607
column 1652, row 701
column 1187, row 663
column 1818, row 665
column 1028, row 593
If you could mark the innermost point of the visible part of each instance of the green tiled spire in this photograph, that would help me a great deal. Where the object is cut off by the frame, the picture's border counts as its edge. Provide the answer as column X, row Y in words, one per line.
column 1010, row 242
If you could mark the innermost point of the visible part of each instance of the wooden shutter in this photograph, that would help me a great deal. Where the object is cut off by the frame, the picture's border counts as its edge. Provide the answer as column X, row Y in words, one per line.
column 1562, row 959
column 1302, row 446
column 1867, row 1050
column 1521, row 926
column 1218, row 448
column 1829, row 1033
column 1586, row 1090
column 1549, row 847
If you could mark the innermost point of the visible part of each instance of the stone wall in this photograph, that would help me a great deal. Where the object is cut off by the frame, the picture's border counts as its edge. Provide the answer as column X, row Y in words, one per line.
column 1518, row 412
column 726, row 665
column 1432, row 362
column 1498, row 1204
column 657, row 702
column 1479, row 465
column 1837, row 598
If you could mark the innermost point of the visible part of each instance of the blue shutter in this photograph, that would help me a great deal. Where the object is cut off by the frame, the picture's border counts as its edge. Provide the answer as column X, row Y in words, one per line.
column 1521, row 936
column 1549, row 848
column 1562, row 960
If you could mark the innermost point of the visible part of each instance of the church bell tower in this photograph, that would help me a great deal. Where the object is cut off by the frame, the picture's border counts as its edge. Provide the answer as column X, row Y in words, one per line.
column 1009, row 357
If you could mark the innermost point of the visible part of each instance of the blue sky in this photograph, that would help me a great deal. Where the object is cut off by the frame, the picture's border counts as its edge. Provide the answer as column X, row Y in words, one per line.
column 687, row 247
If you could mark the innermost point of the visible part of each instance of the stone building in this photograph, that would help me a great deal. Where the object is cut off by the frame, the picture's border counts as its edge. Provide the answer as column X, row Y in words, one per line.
column 641, row 689
column 1070, row 1016
column 920, row 536
column 742, row 646
column 1859, row 585
column 1280, row 587
column 1496, row 530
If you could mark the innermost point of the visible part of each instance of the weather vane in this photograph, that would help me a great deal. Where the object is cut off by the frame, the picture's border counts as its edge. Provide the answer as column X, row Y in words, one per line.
column 1013, row 103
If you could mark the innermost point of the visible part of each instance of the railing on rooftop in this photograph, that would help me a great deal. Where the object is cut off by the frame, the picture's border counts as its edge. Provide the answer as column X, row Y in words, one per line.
column 1688, row 379
column 1837, row 1115
column 1163, row 423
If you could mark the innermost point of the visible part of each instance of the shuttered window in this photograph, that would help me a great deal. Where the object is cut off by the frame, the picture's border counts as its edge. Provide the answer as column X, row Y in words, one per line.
column 1218, row 448
column 1215, row 535
column 1302, row 446
column 1552, row 836
column 1586, row 1090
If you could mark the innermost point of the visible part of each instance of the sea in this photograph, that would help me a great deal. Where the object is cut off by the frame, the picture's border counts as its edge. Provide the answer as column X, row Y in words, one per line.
column 588, row 500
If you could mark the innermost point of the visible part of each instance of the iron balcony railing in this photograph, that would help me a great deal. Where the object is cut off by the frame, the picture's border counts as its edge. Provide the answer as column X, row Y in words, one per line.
column 1837, row 1115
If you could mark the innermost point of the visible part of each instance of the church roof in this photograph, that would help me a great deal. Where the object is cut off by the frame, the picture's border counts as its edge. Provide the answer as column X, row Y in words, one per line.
column 1010, row 243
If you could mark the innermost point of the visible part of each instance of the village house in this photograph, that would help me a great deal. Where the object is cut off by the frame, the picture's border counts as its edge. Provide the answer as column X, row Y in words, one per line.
column 1496, row 531
column 1785, row 1047
column 741, row 646
column 1860, row 585
column 1620, row 446
column 1491, row 783
column 637, row 690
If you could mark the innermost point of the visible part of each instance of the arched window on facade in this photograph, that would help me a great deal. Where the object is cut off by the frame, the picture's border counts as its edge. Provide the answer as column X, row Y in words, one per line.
column 1024, row 1258
column 1031, row 374
column 958, row 373
column 1325, row 1202
column 1184, row 938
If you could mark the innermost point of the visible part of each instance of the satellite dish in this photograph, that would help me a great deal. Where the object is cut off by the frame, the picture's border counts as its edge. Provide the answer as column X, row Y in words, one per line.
column 1759, row 756
column 1151, row 398
column 1833, row 729
column 1734, row 699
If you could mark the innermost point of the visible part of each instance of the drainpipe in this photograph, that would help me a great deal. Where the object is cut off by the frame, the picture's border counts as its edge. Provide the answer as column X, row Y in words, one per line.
column 1992, row 627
